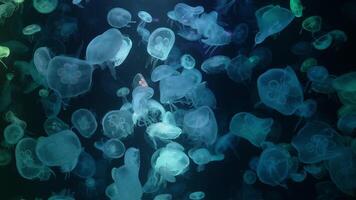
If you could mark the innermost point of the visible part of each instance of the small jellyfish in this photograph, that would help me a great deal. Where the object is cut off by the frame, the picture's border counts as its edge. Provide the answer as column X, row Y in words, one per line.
column 31, row 29
column 323, row 42
column 160, row 43
column 317, row 73
column 296, row 7
column 201, row 95
column 84, row 121
column 163, row 131
column 122, row 93
column 161, row 72
column 112, row 148
column 117, row 124
column 312, row 24
column 145, row 16
column 187, row 61
column 249, row 177
column 41, row 59
column 198, row 195
column 54, row 125
column 45, row 6
column 119, row 18
column 4, row 53
column 307, row 108
column 12, row 118
column 202, row 156
column 163, row 197
column 216, row 64
column 13, row 133
column 307, row 63
column 338, row 36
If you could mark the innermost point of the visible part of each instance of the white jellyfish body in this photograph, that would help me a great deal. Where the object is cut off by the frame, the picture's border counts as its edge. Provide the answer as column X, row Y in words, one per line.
column 160, row 43
column 84, row 121
column 112, row 148
column 117, row 124
column 119, row 17
column 163, row 131
column 41, row 59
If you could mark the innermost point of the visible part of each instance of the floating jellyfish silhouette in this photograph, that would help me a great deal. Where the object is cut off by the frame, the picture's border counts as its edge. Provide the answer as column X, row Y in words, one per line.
column 240, row 33
column 122, row 93
column 124, row 51
column 160, row 43
column 163, row 197
column 249, row 177
column 84, row 121
column 215, row 64
column 280, row 89
column 41, row 59
column 250, row 127
column 175, row 87
column 197, row 195
column 117, row 124
column 187, row 61
column 317, row 73
column 271, row 20
column 51, row 102
column 323, row 42
column 112, row 148
column 161, row 72
column 86, row 166
column 338, row 36
column 140, row 101
column 45, row 6
column 307, row 63
column 296, row 7
column 61, row 149
column 307, row 108
column 5, row 157
column 273, row 166
column 345, row 86
column 145, row 16
column 185, row 14
column 4, row 53
column 119, row 18
column 200, row 125
column 347, row 123
column 240, row 68
column 16, row 47
column 31, row 29
column 163, row 131
column 260, row 57
column 139, row 80
column 315, row 142
column 69, row 76
column 312, row 24
column 13, row 133
column 202, row 156
column 201, row 95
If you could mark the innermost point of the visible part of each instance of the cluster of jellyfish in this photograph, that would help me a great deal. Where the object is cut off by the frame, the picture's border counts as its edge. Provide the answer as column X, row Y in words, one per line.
column 174, row 105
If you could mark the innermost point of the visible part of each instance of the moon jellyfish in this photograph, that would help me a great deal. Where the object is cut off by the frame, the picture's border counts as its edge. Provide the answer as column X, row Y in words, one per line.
column 164, row 131
column 69, row 76
column 315, row 142
column 41, row 59
column 312, row 24
column 347, row 123
column 61, row 149
column 249, row 177
column 160, row 43
column 45, row 6
column 296, row 7
column 280, row 89
column 250, row 127
column 307, row 63
column 140, row 100
column 145, row 16
column 215, row 64
column 163, row 197
column 5, row 157
column 185, row 14
column 31, row 29
column 273, row 166
column 317, row 73
column 187, row 61
column 201, row 95
column 271, row 20
column 117, row 124
column 13, row 133
column 86, row 166
column 124, row 51
column 161, row 72
column 338, row 36
column 201, row 126
column 198, row 195
column 345, row 86
column 170, row 161
column 202, row 156
column 119, row 18
column 4, row 53
column 84, row 121
column 112, row 148
column 240, row 33
column 323, row 42
column 122, row 93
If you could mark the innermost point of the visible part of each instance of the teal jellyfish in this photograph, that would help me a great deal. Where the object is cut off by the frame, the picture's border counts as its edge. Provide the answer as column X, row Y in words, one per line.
column 216, row 64
column 117, row 124
column 345, row 88
column 41, row 59
column 197, row 195
column 112, row 148
column 13, row 133
column 201, row 95
column 31, row 29
column 249, row 177
column 187, row 61
column 51, row 103
column 160, row 43
column 45, row 6
column 250, row 127
column 271, row 20
column 323, row 42
column 119, row 18
column 122, row 93
column 162, row 71
column 84, row 121
column 86, row 166
column 307, row 108
column 240, row 33
column 296, row 7
column 240, row 68
column 317, row 73
column 312, row 24
column 163, row 197
column 163, row 131
column 69, row 76
column 185, row 14
column 202, row 156
column 145, row 16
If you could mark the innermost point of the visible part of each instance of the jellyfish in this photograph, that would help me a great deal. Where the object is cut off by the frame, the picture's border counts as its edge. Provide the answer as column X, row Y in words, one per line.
column 307, row 108
column 84, row 121
column 5, row 157
column 69, row 76
column 140, row 98
column 260, row 57
column 317, row 73
column 51, row 102
column 187, row 61
column 240, row 68
column 61, row 149
column 160, row 43
column 117, row 124
column 119, row 18
column 163, row 197
column 185, row 14
column 86, row 166
column 112, row 148
column 312, row 24
column 315, row 142
column 307, row 63
column 216, row 64
column 5, row 92
column 144, row 33
column 345, row 86
column 45, row 6
column 4, row 53
column 249, row 177
column 13, row 119
column 202, row 156
column 145, row 16
column 124, row 51
column 16, row 47
column 139, row 80
column 201, row 95
column 189, row 34
column 41, row 59
column 273, row 166
column 122, row 93
column 271, row 20
column 347, row 123
column 162, row 71
column 170, row 161
column 323, row 42
column 31, row 29
column 200, row 125
column 296, row 7
column 198, row 195
column 13, row 133
column 163, row 131
column 280, row 89
column 54, row 125
column 338, row 36
column 240, row 33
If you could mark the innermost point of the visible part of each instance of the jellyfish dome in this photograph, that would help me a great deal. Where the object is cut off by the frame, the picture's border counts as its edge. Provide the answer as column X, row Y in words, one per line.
column 280, row 89
column 31, row 29
column 145, row 16
column 216, row 64
column 84, row 121
column 160, row 43
column 312, row 24
column 119, row 17
column 13, row 133
column 240, row 68
column 187, row 61
column 198, row 195
column 54, row 125
column 317, row 73
column 69, row 76
column 163, row 197
column 45, row 6
column 185, row 14
column 113, row 148
column 201, row 95
column 86, row 166
column 41, row 59
column 202, row 156
column 117, row 124
column 162, row 72
column 140, row 98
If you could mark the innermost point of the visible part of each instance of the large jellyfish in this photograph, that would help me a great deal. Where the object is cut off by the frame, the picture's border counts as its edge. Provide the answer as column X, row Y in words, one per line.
column 117, row 124
column 119, row 18
column 323, row 42
column 54, row 125
column 160, row 43
column 197, row 195
column 162, row 71
column 185, row 14
column 84, row 121
column 69, row 76
column 41, row 59
column 201, row 95
column 347, row 123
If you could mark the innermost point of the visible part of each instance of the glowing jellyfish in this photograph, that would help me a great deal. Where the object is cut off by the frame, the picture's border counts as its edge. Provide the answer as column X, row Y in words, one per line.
column 273, row 166
column 187, row 61
column 198, row 195
column 185, row 14
column 280, row 89
column 86, row 166
column 189, row 34
column 163, row 197
column 323, row 42
column 162, row 71
column 4, row 53
column 201, row 95
column 124, row 51
column 5, row 157
column 240, row 33
column 250, row 127
column 145, row 16
column 347, row 123
column 315, row 142
column 345, row 86
column 69, row 76
column 271, row 20
column 13, row 133
column 170, row 161
column 163, row 131
column 41, row 59
column 16, row 47
column 249, row 177
column 117, row 124
column 312, row 24
column 296, row 7
column 119, row 17
column 139, row 80
column 61, row 149
column 112, row 148
column 160, row 43
column 31, row 29
column 122, row 93
column 84, row 121
column 215, row 64
column 45, row 6
column 202, row 156
column 317, row 73
column 240, row 68
column 12, row 118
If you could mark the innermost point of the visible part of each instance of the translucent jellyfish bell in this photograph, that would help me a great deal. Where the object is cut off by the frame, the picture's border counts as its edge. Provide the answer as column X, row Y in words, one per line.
column 163, row 131
column 4, row 53
column 13, row 133
column 160, row 43
column 112, row 148
column 117, row 124
column 84, row 121
column 240, row 68
column 296, row 8
column 312, row 24
column 45, row 6
column 161, row 72
column 145, row 16
column 202, row 156
column 122, row 93
column 12, row 118
column 163, row 197
column 119, row 17
column 41, row 59
column 323, row 42
column 185, row 14
column 249, row 177
column 187, row 61
column 317, row 73
column 69, row 76
column 345, row 88
column 215, row 64
column 31, row 29
column 86, row 166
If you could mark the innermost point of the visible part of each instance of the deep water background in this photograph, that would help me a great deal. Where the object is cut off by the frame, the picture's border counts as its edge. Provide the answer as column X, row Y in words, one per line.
column 220, row 180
